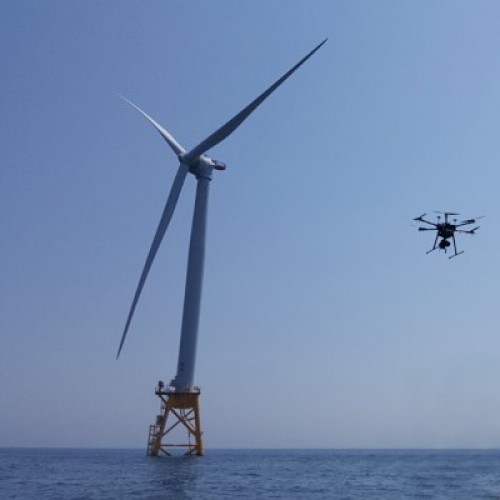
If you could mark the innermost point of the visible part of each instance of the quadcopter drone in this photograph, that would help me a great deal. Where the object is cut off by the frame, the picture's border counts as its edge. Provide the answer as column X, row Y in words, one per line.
column 446, row 230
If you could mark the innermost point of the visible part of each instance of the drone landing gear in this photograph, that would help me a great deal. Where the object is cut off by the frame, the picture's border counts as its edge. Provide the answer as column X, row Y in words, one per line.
column 455, row 247
column 434, row 246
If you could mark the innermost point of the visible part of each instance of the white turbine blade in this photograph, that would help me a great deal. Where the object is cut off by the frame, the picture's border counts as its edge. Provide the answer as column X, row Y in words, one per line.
column 176, row 147
column 230, row 126
column 160, row 232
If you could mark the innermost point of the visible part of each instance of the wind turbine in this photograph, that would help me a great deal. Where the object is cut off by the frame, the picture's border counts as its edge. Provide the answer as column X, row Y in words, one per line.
column 181, row 397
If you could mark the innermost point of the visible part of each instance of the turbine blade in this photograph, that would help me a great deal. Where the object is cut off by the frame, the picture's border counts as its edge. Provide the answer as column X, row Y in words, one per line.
column 230, row 126
column 160, row 232
column 176, row 147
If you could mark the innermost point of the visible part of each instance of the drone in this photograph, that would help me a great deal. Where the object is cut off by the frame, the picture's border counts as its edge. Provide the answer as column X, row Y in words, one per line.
column 446, row 230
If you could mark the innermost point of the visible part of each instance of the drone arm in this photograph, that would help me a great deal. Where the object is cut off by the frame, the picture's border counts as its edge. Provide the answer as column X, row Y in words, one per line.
column 419, row 219
column 469, row 221
column 468, row 231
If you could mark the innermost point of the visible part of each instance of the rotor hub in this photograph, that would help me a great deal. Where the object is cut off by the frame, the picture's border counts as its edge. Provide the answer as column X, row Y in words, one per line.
column 202, row 169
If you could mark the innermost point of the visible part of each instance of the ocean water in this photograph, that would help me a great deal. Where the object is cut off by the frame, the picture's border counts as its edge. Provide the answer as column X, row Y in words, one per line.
column 249, row 474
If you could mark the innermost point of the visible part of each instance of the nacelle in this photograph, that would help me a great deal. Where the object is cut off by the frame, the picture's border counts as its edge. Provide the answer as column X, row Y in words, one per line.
column 218, row 165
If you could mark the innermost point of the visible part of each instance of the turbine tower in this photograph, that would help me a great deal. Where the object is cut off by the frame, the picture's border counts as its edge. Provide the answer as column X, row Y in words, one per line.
column 180, row 399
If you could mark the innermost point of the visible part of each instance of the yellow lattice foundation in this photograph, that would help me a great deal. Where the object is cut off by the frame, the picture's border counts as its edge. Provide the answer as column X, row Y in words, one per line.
column 177, row 409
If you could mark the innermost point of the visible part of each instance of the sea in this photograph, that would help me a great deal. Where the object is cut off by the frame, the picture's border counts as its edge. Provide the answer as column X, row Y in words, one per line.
column 249, row 474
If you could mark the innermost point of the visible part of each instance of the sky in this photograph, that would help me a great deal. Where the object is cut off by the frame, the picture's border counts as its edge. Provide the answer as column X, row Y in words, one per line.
column 324, row 324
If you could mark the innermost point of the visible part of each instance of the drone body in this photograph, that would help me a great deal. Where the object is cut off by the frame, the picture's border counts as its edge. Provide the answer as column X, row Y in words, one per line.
column 446, row 230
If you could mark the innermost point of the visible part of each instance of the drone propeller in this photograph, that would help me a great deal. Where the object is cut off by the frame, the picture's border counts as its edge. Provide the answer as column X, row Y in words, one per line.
column 471, row 221
column 445, row 213
column 468, row 231
column 420, row 218
column 427, row 228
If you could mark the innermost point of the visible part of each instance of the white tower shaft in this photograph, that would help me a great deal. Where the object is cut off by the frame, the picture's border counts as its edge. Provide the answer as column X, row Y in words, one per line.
column 194, row 281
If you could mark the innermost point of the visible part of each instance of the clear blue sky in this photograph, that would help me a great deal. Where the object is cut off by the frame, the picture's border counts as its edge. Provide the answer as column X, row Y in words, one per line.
column 324, row 324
